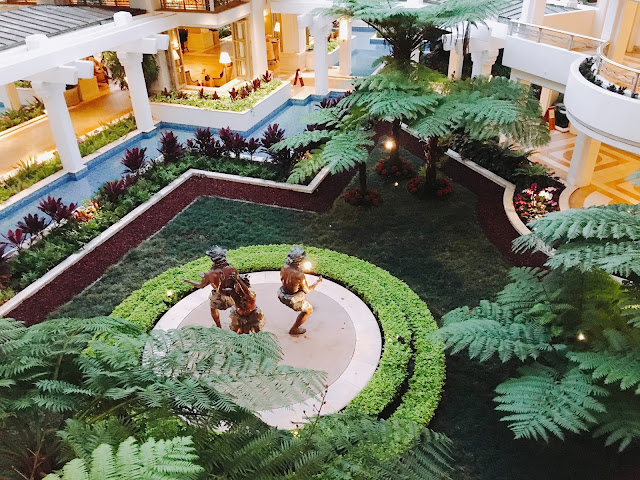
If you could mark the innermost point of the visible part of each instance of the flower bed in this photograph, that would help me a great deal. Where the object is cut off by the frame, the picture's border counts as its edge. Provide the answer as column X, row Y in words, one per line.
column 534, row 202
column 405, row 320
column 417, row 186
column 239, row 100
column 357, row 198
column 386, row 169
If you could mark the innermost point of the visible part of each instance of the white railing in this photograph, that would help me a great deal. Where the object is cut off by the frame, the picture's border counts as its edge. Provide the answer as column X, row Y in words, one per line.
column 615, row 72
column 553, row 37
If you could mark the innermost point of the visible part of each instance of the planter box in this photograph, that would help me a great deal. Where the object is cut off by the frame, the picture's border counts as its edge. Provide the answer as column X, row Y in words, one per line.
column 332, row 60
column 240, row 121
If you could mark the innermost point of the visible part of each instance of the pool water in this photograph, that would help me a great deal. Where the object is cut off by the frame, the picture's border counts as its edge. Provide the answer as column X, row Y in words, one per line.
column 107, row 166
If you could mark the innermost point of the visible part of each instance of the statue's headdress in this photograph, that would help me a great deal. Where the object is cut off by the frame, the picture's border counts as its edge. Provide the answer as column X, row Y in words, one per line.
column 217, row 254
column 296, row 256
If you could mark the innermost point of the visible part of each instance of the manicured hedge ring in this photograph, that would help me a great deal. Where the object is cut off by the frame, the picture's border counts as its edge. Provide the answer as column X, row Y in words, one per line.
column 405, row 321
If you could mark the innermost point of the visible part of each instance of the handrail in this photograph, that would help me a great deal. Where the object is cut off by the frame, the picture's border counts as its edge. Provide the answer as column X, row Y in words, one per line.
column 573, row 40
column 621, row 74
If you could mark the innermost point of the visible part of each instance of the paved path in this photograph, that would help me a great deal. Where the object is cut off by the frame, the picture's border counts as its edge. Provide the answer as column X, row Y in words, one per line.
column 37, row 138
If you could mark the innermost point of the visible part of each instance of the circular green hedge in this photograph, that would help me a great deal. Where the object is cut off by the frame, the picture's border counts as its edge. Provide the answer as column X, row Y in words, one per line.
column 405, row 321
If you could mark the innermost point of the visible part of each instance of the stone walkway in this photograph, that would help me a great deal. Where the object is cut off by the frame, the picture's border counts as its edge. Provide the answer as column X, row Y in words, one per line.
column 609, row 184
column 31, row 140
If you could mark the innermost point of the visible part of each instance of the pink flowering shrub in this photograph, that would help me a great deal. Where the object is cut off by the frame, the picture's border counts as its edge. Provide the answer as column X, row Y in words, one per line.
column 535, row 202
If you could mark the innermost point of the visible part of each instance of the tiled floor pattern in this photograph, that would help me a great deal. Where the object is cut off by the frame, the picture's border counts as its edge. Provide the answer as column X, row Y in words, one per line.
column 609, row 184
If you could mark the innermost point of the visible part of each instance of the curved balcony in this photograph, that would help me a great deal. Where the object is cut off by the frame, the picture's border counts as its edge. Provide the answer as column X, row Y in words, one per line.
column 618, row 73
column 602, row 114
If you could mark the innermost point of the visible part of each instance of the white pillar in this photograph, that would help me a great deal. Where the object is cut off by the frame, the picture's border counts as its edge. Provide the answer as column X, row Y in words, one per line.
column 547, row 97
column 164, row 72
column 483, row 62
column 52, row 95
column 610, row 17
column 345, row 46
column 9, row 96
column 620, row 39
column 132, row 63
column 257, row 38
column 456, row 61
column 583, row 160
column 320, row 30
column 533, row 11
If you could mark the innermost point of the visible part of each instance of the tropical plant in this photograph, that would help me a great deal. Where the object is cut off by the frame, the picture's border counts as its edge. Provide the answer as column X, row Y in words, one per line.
column 56, row 209
column 162, row 460
column 14, row 238
column 32, row 224
column 134, row 160
column 576, row 330
column 118, row 74
column 252, row 145
column 170, row 148
column 113, row 189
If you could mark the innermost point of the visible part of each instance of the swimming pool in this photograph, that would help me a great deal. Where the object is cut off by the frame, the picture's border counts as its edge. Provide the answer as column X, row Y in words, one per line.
column 107, row 166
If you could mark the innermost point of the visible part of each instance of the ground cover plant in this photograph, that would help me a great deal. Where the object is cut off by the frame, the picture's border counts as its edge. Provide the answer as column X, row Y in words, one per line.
column 237, row 100
column 11, row 118
column 30, row 172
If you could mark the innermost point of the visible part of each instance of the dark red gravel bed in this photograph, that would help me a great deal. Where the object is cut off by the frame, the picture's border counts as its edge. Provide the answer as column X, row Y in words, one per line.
column 83, row 273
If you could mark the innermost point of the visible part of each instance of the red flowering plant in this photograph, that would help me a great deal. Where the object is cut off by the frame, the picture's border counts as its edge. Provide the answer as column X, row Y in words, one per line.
column 366, row 198
column 386, row 168
column 534, row 202
column 418, row 187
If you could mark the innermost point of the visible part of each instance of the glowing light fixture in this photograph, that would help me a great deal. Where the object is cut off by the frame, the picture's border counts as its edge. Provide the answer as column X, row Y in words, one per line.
column 307, row 265
column 582, row 337
column 389, row 144
column 225, row 59
column 276, row 27
column 396, row 184
column 169, row 293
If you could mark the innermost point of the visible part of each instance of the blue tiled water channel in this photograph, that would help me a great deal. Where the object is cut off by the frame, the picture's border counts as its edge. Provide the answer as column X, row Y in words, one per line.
column 107, row 166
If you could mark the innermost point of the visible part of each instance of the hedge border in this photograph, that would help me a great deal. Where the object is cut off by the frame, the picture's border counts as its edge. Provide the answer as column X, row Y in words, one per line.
column 405, row 320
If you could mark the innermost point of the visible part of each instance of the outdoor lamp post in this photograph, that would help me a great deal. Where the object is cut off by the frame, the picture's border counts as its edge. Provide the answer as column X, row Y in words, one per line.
column 225, row 60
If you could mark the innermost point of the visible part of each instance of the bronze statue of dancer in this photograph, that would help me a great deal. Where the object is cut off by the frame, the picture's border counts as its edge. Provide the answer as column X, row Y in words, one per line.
column 245, row 316
column 219, row 278
column 294, row 289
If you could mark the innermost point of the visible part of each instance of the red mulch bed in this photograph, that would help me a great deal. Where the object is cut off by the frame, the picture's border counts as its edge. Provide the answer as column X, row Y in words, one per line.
column 83, row 273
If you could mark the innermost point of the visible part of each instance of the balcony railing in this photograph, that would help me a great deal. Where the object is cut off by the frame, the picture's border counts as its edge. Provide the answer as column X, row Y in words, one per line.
column 196, row 5
column 615, row 72
column 553, row 37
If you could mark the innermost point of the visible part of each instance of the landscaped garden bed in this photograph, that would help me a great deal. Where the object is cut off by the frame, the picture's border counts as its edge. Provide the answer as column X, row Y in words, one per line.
column 12, row 118
column 29, row 172
column 537, row 191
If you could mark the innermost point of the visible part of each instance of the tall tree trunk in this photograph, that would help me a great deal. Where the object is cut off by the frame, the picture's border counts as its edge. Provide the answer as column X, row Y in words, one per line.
column 394, row 156
column 431, row 156
column 362, row 176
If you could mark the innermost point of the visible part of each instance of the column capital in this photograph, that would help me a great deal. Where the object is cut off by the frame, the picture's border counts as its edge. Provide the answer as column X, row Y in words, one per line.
column 48, row 89
column 129, row 58
column 320, row 26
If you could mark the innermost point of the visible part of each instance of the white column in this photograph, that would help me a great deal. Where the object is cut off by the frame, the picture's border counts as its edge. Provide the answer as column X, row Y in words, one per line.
column 132, row 63
column 533, row 11
column 52, row 94
column 620, row 39
column 483, row 62
column 320, row 30
column 257, row 39
column 9, row 96
column 456, row 61
column 610, row 17
column 583, row 160
column 547, row 97
column 344, row 66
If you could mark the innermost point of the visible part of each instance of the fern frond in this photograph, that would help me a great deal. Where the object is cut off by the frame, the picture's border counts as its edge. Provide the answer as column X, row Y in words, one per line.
column 542, row 401
column 611, row 367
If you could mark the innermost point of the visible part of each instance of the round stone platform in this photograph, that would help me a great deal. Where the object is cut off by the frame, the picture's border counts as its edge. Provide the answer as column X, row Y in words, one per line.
column 342, row 339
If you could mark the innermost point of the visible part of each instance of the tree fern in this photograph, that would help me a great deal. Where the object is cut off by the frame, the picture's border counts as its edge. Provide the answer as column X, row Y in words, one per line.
column 620, row 423
column 543, row 401
column 162, row 460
